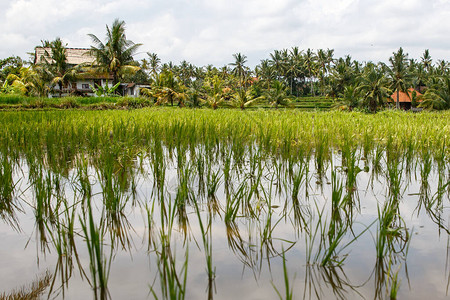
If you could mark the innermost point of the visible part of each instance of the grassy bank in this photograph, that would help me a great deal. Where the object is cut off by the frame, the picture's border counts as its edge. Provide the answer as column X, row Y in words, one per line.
column 17, row 102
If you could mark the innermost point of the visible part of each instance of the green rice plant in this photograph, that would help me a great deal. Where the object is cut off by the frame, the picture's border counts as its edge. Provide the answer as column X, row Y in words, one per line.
column 351, row 168
column 394, row 171
column 99, row 264
column 200, row 168
column 158, row 164
column 172, row 279
column 330, row 233
column 44, row 212
column 213, row 180
column 183, row 196
column 7, row 190
column 297, row 179
column 440, row 158
column 376, row 163
column 392, row 234
column 82, row 174
column 207, row 248
column 114, row 203
column 289, row 290
column 173, row 285
column 317, row 278
column 395, row 285
column 233, row 203
column 425, row 170
column 63, row 240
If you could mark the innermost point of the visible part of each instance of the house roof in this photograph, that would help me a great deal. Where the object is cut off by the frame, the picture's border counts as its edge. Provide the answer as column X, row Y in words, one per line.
column 404, row 97
column 75, row 56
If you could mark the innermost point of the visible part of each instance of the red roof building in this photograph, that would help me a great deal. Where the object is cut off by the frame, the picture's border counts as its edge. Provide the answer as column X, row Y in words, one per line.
column 405, row 99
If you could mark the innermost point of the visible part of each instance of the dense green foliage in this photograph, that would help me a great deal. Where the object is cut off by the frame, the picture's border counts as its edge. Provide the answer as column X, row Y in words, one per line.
column 286, row 74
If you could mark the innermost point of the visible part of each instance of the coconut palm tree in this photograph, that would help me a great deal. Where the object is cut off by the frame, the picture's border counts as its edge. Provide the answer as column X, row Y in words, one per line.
column 265, row 71
column 438, row 96
column 398, row 73
column 115, row 56
column 214, row 92
column 373, row 87
column 349, row 97
column 324, row 60
column 239, row 68
column 426, row 60
column 169, row 89
column 277, row 95
column 30, row 81
column 56, row 62
column 278, row 62
column 154, row 63
column 310, row 63
column 244, row 99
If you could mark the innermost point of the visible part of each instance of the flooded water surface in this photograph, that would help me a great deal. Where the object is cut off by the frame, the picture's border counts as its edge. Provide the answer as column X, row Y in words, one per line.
column 224, row 205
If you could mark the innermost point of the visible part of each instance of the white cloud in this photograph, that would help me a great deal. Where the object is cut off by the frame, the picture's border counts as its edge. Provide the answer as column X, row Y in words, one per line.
column 205, row 31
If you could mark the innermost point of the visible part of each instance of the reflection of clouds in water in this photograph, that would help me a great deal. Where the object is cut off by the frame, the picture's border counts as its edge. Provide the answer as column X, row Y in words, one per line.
column 132, row 272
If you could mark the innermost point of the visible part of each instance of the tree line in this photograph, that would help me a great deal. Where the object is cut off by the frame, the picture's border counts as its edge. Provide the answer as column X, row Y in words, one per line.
column 279, row 80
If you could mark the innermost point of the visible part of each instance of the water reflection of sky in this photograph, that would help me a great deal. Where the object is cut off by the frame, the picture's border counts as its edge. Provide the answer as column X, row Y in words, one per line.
column 134, row 271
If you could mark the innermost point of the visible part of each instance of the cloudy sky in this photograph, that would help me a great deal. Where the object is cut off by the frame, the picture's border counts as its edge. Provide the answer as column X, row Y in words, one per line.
column 210, row 31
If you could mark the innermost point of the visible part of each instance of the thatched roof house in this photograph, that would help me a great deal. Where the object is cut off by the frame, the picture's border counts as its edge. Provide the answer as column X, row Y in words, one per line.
column 84, row 78
column 75, row 56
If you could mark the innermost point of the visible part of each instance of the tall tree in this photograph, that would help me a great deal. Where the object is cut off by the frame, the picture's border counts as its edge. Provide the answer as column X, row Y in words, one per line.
column 426, row 60
column 154, row 63
column 115, row 56
column 277, row 95
column 310, row 63
column 265, row 72
column 398, row 73
column 10, row 65
column 239, row 68
column 56, row 62
column 373, row 87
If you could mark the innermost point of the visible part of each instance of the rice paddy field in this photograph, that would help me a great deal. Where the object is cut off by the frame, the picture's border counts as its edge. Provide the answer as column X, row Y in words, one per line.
column 163, row 203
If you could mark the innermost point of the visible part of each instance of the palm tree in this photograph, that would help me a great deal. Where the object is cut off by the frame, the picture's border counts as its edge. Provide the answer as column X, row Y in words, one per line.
column 310, row 61
column 170, row 89
column 373, row 87
column 342, row 75
column 437, row 97
column 115, row 56
column 324, row 59
column 30, row 81
column 349, row 97
column 56, row 63
column 265, row 72
column 214, row 92
column 277, row 95
column 239, row 68
column 244, row 99
column 154, row 63
column 398, row 72
column 277, row 62
column 426, row 60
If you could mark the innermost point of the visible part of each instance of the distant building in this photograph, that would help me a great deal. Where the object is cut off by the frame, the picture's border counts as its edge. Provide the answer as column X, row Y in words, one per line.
column 405, row 99
column 75, row 57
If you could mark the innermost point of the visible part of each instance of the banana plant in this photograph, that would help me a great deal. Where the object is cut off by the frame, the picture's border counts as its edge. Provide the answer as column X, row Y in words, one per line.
column 101, row 91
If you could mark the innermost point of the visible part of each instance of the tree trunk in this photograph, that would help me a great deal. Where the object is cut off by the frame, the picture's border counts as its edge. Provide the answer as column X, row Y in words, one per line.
column 397, row 104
